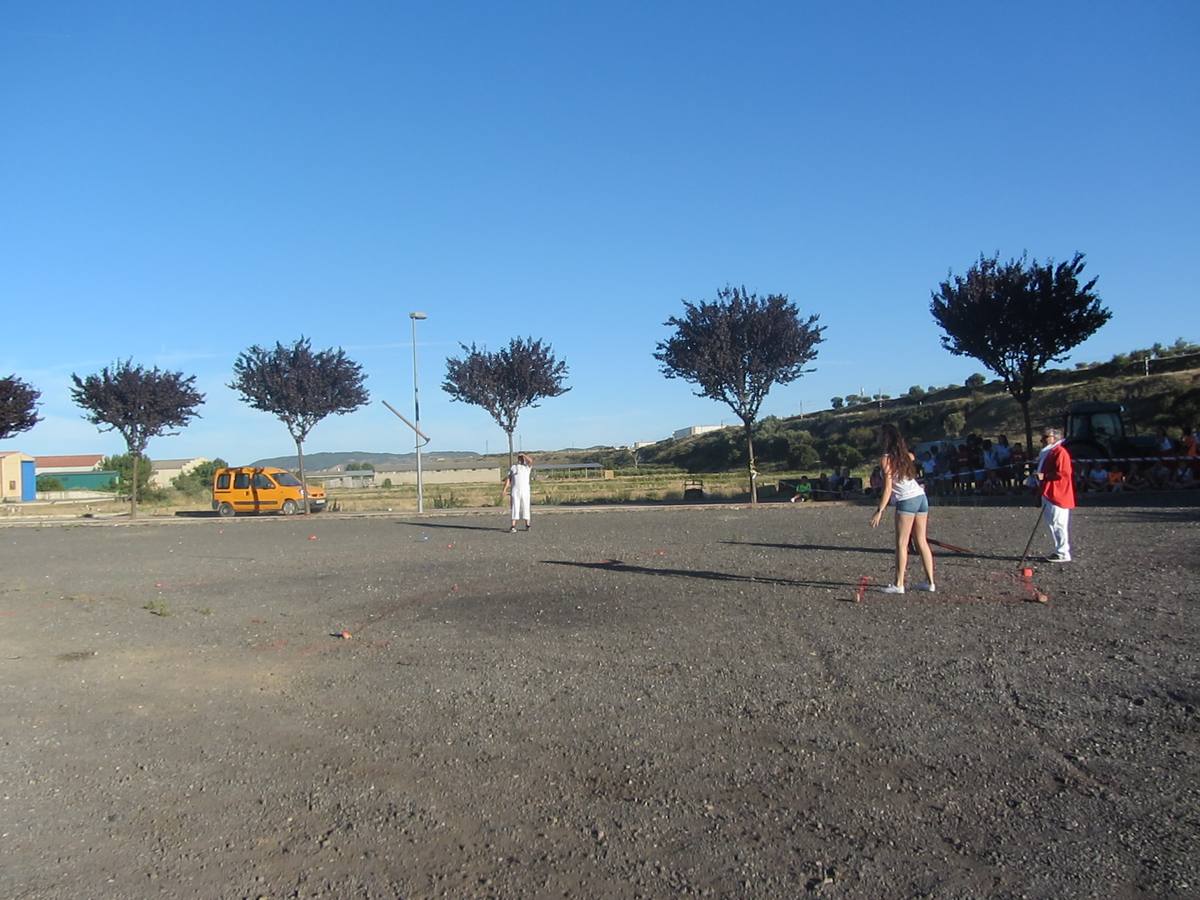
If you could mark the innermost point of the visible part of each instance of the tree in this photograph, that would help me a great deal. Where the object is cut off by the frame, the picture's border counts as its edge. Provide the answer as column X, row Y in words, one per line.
column 735, row 348
column 837, row 403
column 18, row 406
column 139, row 404
column 132, row 475
column 975, row 381
column 842, row 455
column 198, row 479
column 507, row 381
column 954, row 423
column 49, row 483
column 916, row 392
column 1017, row 317
column 299, row 387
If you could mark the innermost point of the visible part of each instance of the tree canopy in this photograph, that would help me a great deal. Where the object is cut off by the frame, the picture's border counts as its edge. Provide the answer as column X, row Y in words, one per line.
column 137, row 403
column 18, row 406
column 299, row 387
column 1018, row 317
column 736, row 348
column 507, row 381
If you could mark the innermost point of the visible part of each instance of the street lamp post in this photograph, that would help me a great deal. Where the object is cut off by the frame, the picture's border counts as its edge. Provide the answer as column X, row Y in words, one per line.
column 417, row 410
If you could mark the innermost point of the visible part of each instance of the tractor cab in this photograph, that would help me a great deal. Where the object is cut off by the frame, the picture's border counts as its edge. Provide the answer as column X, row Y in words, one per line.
column 1097, row 431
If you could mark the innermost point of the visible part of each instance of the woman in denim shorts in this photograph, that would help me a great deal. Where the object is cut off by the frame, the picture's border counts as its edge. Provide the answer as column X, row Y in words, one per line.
column 900, row 486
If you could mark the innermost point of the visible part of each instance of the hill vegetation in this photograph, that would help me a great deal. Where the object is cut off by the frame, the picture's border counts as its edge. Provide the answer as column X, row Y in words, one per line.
column 847, row 436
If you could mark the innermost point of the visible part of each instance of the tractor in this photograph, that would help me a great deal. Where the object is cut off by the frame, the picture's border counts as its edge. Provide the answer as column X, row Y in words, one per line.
column 1096, row 430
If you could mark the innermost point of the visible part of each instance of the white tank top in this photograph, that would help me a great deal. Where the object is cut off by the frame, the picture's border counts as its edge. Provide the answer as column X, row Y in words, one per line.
column 906, row 489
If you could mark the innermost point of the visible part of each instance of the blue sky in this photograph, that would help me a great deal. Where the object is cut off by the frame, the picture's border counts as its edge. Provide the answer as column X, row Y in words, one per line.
column 180, row 181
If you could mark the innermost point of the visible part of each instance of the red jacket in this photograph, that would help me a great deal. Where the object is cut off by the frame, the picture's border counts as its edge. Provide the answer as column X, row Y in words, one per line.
column 1058, row 481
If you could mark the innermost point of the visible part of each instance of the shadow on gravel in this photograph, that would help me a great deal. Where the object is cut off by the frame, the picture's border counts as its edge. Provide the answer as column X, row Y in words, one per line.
column 197, row 514
column 459, row 527
column 615, row 565
column 886, row 551
column 1157, row 516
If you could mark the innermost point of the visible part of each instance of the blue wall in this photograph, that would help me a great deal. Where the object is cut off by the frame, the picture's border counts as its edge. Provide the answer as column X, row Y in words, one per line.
column 28, row 481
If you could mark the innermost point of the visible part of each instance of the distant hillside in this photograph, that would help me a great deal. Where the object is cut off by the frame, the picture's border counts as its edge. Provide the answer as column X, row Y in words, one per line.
column 848, row 437
column 821, row 440
column 315, row 461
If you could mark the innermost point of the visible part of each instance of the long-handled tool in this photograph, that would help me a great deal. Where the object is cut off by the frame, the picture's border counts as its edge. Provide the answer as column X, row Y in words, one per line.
column 1029, row 543
column 953, row 548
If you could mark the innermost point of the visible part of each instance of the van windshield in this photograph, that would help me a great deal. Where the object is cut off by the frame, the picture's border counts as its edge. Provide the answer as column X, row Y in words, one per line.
column 286, row 479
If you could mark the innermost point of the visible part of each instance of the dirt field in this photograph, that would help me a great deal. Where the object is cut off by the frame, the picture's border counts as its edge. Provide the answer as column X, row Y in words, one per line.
column 646, row 703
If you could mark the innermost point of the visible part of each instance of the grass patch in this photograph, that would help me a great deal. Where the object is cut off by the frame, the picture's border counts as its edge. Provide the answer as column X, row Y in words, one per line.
column 157, row 608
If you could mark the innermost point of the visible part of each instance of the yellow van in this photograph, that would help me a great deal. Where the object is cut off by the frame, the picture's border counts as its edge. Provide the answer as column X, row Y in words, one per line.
column 243, row 489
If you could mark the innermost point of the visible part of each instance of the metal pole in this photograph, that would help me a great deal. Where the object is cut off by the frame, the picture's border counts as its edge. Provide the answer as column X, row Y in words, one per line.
column 413, row 316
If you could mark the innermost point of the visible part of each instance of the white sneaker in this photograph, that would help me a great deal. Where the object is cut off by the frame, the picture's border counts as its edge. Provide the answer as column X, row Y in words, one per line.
column 926, row 586
column 892, row 589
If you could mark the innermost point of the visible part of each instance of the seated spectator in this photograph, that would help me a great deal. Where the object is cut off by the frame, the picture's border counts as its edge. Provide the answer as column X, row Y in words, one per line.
column 875, row 484
column 990, row 479
column 1185, row 477
column 1097, row 477
column 1003, row 451
column 1137, row 479
column 1016, row 463
column 1160, row 475
column 928, row 464
column 1189, row 446
column 1166, row 446
column 1116, row 480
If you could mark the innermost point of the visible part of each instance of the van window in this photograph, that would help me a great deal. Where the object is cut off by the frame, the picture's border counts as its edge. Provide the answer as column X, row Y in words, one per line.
column 287, row 479
column 223, row 481
column 263, row 483
column 241, row 481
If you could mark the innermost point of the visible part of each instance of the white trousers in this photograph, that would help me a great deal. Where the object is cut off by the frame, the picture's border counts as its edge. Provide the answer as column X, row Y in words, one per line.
column 1058, row 520
column 520, row 505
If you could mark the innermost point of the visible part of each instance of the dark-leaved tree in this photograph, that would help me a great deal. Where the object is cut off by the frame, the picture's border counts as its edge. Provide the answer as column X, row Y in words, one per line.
column 735, row 348
column 1017, row 317
column 299, row 387
column 507, row 381
column 139, row 404
column 18, row 406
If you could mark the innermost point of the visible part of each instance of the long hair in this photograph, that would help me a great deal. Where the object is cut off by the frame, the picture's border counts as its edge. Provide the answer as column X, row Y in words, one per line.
column 896, row 452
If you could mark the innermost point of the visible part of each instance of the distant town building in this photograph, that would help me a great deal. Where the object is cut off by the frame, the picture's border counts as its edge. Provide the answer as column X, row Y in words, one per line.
column 340, row 477
column 441, row 471
column 62, row 465
column 693, row 430
column 164, row 471
column 18, row 483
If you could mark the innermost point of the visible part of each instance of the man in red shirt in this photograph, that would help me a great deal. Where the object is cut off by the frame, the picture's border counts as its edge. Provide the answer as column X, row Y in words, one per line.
column 1058, row 492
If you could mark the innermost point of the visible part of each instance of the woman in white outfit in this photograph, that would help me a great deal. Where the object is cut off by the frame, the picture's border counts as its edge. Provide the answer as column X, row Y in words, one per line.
column 517, row 484
column 900, row 486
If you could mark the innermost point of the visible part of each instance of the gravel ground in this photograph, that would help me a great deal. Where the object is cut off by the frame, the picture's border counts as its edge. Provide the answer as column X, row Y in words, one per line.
column 634, row 703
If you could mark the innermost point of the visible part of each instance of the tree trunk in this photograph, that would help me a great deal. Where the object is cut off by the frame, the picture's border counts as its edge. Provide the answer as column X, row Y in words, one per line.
column 750, row 463
column 510, row 455
column 134, row 455
column 1028, row 429
column 303, row 483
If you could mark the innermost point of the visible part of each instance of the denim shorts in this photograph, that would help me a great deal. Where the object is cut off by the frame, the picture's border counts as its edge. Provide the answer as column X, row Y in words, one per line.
column 913, row 506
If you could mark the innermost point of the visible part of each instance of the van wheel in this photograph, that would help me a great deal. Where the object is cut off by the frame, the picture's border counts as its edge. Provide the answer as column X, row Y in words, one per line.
column 226, row 511
column 289, row 507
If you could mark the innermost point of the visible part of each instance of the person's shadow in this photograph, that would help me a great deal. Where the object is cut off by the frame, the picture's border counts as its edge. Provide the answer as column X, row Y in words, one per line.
column 616, row 565
column 450, row 525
